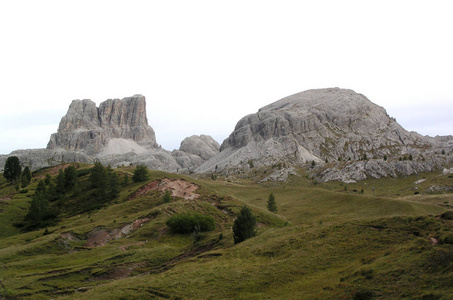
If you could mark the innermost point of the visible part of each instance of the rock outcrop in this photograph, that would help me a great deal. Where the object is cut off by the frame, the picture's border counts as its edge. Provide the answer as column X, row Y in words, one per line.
column 89, row 129
column 116, row 133
column 336, row 134
column 326, row 125
column 195, row 150
column 39, row 158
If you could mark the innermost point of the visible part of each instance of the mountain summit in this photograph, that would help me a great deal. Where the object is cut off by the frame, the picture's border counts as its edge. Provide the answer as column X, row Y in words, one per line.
column 321, row 125
column 89, row 129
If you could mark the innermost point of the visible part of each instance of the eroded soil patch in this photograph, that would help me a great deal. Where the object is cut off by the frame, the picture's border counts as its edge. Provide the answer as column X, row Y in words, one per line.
column 177, row 187
column 100, row 237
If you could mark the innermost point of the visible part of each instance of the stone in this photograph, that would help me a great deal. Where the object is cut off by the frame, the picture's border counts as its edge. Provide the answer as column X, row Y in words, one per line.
column 328, row 125
column 118, row 134
column 89, row 129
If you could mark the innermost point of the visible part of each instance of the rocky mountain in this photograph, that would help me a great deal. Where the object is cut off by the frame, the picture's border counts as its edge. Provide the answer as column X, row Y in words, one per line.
column 115, row 133
column 335, row 134
column 89, row 129
column 328, row 125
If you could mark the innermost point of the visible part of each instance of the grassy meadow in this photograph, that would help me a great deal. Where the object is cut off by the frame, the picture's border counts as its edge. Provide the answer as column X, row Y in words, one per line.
column 326, row 241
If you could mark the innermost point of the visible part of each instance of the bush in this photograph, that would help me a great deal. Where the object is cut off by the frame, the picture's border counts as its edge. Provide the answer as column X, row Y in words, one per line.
column 83, row 172
column 448, row 215
column 190, row 222
column 363, row 295
column 448, row 239
column 439, row 258
column 167, row 197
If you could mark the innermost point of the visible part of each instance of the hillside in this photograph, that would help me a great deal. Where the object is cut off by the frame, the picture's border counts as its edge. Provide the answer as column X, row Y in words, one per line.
column 327, row 241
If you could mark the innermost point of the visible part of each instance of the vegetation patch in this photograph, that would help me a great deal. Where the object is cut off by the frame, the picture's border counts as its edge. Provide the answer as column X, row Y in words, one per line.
column 190, row 222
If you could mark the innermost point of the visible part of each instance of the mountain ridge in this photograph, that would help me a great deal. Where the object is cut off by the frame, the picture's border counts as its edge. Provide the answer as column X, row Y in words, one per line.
column 321, row 126
column 335, row 129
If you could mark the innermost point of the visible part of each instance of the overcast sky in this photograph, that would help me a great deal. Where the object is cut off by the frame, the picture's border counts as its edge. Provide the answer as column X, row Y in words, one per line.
column 203, row 65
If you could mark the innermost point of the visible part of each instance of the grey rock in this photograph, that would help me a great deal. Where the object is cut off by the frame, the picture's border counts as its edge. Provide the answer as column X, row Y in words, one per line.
column 328, row 124
column 281, row 175
column 88, row 129
column 116, row 133
column 203, row 146
column 39, row 158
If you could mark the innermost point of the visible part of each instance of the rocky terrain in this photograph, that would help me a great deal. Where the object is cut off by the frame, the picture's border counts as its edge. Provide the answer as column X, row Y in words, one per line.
column 89, row 129
column 116, row 133
column 339, row 129
column 335, row 134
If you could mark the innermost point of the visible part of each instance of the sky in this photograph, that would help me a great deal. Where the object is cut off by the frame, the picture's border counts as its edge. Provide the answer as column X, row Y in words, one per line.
column 203, row 65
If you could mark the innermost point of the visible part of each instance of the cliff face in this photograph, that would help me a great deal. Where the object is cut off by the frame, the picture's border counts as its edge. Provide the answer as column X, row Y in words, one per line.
column 326, row 125
column 329, row 123
column 89, row 129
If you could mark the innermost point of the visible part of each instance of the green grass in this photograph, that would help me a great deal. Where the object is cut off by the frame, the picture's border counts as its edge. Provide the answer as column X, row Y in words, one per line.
column 324, row 243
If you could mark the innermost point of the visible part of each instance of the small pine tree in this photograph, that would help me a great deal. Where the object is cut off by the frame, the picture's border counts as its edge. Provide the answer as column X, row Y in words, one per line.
column 385, row 157
column 25, row 178
column 410, row 157
column 167, row 196
column 313, row 163
column 39, row 207
column 23, row 181
column 114, row 185
column 271, row 204
column 70, row 178
column 443, row 152
column 60, row 184
column 99, row 182
column 12, row 169
column 140, row 174
column 47, row 180
column 244, row 225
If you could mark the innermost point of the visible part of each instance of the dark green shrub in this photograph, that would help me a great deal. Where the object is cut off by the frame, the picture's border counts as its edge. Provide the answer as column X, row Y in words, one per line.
column 431, row 297
column 448, row 239
column 448, row 215
column 190, row 222
column 363, row 295
column 439, row 258
column 82, row 172
column 167, row 197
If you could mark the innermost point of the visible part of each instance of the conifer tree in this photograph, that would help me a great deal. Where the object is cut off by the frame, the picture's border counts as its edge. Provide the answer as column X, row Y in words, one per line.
column 113, row 184
column 99, row 182
column 140, row 174
column 70, row 178
column 244, row 225
column 25, row 178
column 271, row 204
column 39, row 207
column 12, row 169
column 60, row 185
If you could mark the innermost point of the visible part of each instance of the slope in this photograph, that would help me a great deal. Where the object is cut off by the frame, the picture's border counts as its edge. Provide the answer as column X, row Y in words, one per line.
column 323, row 243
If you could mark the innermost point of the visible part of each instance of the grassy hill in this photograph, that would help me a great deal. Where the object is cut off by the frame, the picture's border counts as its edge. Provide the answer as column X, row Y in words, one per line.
column 325, row 242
